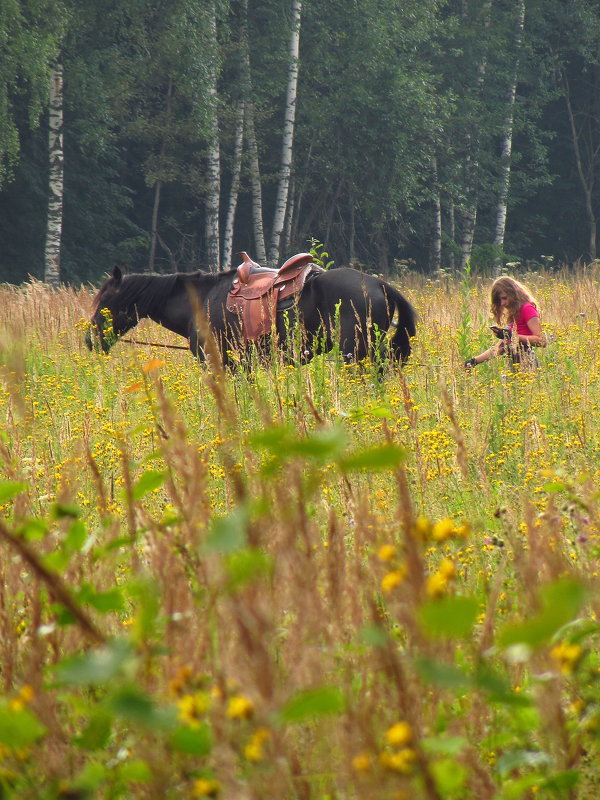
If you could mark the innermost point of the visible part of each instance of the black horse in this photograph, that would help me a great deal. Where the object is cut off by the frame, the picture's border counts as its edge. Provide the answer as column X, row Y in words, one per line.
column 366, row 313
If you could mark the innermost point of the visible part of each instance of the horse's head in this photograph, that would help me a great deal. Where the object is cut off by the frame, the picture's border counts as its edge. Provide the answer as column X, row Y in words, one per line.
column 112, row 316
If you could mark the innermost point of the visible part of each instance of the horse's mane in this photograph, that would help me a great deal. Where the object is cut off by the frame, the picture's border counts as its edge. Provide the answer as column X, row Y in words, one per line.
column 145, row 292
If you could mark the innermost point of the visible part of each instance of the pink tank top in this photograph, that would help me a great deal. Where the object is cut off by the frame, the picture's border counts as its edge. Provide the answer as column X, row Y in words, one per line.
column 526, row 312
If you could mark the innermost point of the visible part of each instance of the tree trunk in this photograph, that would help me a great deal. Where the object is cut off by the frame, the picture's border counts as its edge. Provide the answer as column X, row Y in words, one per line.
column 154, row 223
column 289, row 219
column 469, row 214
column 55, row 181
column 235, row 185
column 213, row 166
column 352, row 235
column 288, row 135
column 585, row 171
column 435, row 254
column 254, row 166
column 505, row 156
column 451, row 234
column 158, row 187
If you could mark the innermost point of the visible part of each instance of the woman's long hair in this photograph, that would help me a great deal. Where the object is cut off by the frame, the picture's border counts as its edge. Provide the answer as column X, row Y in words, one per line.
column 517, row 295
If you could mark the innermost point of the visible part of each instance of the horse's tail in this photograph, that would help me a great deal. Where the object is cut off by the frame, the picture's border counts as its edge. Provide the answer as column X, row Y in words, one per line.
column 402, row 325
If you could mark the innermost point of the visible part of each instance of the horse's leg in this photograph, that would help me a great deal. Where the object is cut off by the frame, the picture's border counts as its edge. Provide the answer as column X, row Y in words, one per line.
column 196, row 344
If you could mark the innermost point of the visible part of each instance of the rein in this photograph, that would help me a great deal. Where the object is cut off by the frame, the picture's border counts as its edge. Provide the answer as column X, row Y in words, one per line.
column 157, row 344
column 184, row 347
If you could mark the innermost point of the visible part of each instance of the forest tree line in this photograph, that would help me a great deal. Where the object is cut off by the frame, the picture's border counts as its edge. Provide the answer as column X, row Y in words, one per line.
column 171, row 134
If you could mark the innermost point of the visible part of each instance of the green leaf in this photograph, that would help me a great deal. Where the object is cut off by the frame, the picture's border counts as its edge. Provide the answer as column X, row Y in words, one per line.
column 444, row 745
column 97, row 666
column 76, row 537
column 320, row 445
column 91, row 776
column 135, row 771
column 373, row 636
column 562, row 781
column 381, row 457
column 33, row 530
column 555, row 486
column 313, row 703
column 247, row 565
column 19, row 727
column 439, row 674
column 57, row 560
column 516, row 759
column 97, row 732
column 517, row 788
column 449, row 776
column 111, row 600
column 148, row 481
column 498, row 688
column 64, row 511
column 561, row 602
column 195, row 741
column 138, row 708
column 228, row 534
column 449, row 616
column 145, row 595
column 10, row 489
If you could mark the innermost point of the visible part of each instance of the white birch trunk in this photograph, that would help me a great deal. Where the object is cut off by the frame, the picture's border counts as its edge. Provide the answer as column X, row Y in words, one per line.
column 256, row 187
column 505, row 155
column 158, row 187
column 56, row 180
column 289, row 219
column 236, row 169
column 435, row 254
column 288, row 136
column 213, row 165
column 451, row 233
column 469, row 215
column 254, row 166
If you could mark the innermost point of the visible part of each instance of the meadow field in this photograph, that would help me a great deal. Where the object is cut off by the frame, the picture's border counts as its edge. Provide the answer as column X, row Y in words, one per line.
column 303, row 583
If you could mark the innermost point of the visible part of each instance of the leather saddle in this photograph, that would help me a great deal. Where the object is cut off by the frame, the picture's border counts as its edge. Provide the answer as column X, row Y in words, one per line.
column 258, row 293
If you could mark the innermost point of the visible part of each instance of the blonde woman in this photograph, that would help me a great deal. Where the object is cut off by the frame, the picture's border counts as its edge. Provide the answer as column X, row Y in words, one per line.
column 518, row 326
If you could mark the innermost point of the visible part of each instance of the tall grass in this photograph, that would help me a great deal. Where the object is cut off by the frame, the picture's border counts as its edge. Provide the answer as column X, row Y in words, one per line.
column 300, row 582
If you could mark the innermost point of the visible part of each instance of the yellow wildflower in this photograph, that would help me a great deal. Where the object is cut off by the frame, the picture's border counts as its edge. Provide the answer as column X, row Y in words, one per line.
column 436, row 585
column 399, row 734
column 567, row 657
column 392, row 579
column 362, row 762
column 192, row 707
column 206, row 787
column 254, row 749
column 447, row 568
column 240, row 707
column 422, row 527
column 403, row 761
column 386, row 552
column 442, row 530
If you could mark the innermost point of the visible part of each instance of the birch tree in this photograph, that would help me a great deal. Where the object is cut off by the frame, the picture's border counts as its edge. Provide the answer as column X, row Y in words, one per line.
column 56, row 178
column 281, row 200
column 250, row 136
column 505, row 155
column 236, row 169
column 471, row 167
column 435, row 253
column 213, row 160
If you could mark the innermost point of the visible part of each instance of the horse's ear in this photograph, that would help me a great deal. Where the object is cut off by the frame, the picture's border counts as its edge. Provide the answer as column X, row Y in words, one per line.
column 117, row 275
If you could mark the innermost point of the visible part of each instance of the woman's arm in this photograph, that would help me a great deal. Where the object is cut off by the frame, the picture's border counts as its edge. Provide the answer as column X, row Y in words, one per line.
column 536, row 338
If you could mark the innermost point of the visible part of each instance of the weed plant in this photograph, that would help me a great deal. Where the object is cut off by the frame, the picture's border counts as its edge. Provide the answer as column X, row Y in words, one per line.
column 300, row 581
